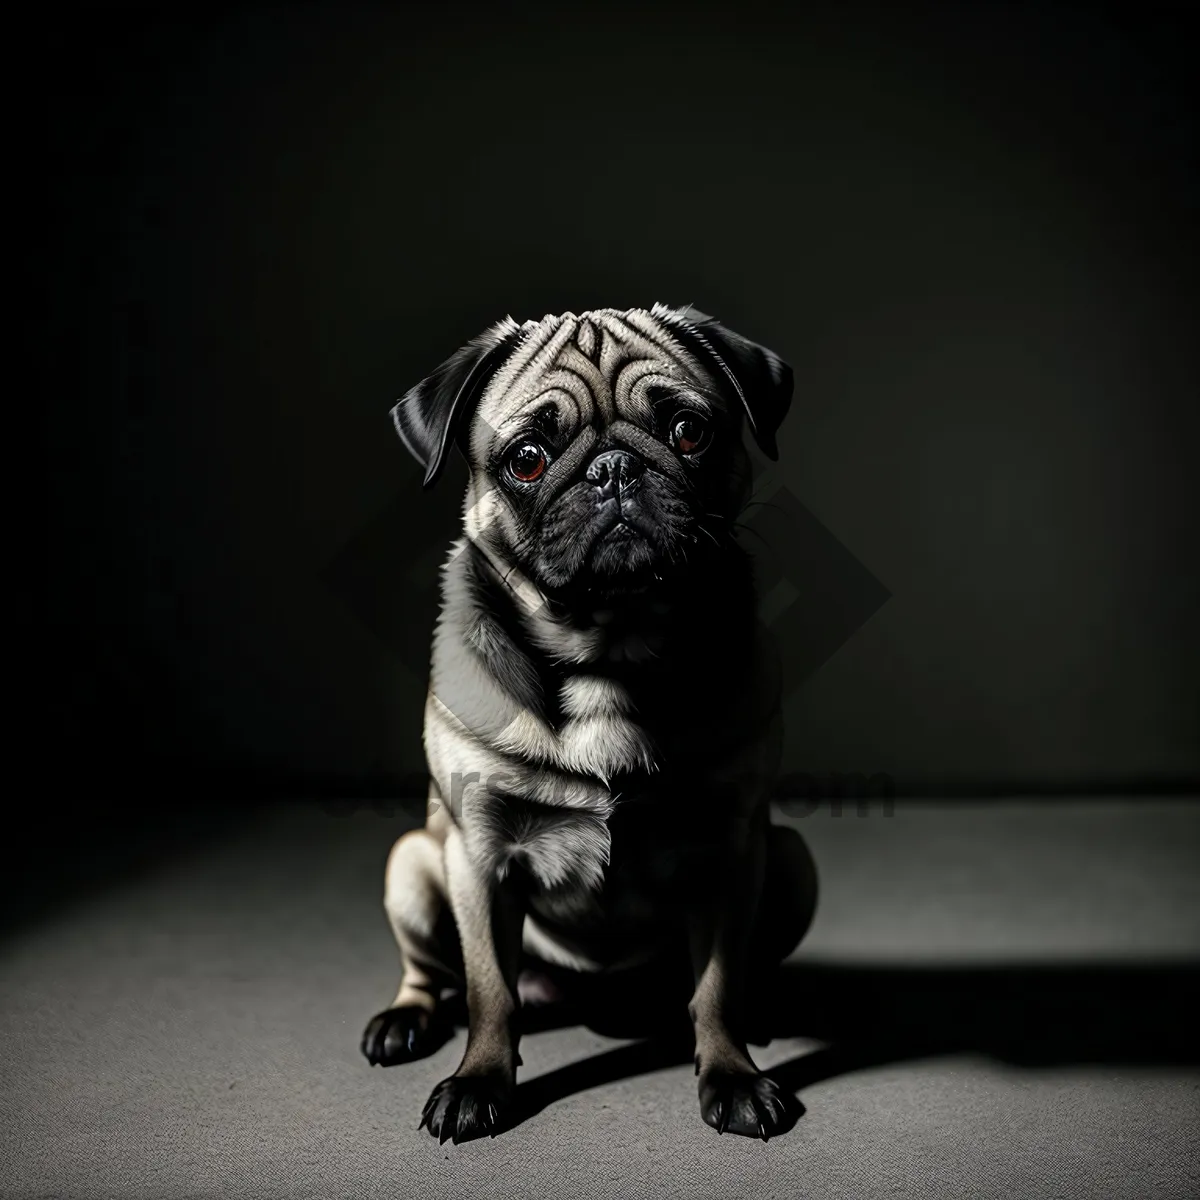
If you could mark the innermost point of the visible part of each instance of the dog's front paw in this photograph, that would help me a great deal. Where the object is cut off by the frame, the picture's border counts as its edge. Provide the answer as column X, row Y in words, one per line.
column 751, row 1104
column 467, row 1106
column 400, row 1035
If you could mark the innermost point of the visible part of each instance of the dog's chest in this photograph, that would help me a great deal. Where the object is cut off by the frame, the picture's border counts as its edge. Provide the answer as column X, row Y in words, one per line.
column 597, row 731
column 649, row 830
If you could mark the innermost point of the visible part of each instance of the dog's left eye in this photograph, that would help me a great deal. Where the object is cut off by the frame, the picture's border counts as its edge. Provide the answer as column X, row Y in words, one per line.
column 689, row 433
column 527, row 462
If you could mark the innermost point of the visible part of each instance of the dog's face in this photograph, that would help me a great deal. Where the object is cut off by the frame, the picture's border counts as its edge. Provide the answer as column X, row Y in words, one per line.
column 603, row 447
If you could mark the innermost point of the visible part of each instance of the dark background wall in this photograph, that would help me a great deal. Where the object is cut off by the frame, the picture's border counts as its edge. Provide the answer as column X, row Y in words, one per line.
column 971, row 229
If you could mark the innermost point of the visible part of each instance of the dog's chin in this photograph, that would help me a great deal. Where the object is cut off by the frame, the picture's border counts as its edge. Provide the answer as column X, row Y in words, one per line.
column 621, row 556
column 621, row 564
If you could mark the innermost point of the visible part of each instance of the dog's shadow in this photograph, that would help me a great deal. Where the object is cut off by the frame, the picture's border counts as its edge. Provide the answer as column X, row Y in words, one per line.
column 1029, row 1015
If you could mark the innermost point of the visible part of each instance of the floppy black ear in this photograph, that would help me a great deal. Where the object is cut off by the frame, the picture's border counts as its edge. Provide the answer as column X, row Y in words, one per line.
column 430, row 415
column 758, row 378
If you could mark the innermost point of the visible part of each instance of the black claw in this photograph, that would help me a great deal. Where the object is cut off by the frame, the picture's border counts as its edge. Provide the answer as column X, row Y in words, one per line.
column 746, row 1103
column 464, row 1107
column 759, row 1115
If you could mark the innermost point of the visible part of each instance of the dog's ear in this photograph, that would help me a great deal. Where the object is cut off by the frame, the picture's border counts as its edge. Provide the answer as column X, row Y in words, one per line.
column 430, row 415
column 757, row 377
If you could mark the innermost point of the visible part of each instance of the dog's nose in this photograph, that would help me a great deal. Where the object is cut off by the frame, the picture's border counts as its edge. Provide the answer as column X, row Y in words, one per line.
column 613, row 471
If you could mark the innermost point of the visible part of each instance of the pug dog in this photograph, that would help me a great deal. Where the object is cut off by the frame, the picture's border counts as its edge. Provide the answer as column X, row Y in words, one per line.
column 602, row 725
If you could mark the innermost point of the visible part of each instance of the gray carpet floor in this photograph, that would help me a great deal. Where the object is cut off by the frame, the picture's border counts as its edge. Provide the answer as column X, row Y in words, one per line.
column 994, row 1000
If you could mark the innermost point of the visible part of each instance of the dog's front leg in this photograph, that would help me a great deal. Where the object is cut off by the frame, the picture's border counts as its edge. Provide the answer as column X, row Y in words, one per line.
column 735, row 1096
column 474, row 1101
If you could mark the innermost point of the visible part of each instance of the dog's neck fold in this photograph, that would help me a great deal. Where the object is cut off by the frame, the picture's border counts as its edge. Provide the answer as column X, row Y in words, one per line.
column 590, row 635
column 559, row 639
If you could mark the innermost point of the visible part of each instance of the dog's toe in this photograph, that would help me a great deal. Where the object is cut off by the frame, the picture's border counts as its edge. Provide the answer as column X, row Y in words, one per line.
column 464, row 1107
column 752, row 1105
column 399, row 1035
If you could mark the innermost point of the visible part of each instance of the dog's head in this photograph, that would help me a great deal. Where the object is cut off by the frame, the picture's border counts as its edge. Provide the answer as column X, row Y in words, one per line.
column 603, row 447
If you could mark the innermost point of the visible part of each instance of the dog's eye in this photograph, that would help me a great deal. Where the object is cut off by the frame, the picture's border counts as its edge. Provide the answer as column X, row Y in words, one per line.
column 689, row 433
column 527, row 462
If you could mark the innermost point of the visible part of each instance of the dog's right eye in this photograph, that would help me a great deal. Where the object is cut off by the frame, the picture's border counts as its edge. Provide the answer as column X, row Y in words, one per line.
column 527, row 462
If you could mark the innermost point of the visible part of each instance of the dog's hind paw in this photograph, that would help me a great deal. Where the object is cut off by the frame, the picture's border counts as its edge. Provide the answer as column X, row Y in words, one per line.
column 753, row 1105
column 400, row 1035
column 466, row 1106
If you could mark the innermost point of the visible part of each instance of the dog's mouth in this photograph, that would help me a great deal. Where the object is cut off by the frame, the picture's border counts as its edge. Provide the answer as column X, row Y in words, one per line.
column 620, row 564
column 621, row 531
column 622, row 550
column 611, row 546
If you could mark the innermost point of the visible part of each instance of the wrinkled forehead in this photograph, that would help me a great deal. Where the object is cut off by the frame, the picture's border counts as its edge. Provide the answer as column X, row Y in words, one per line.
column 595, row 367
